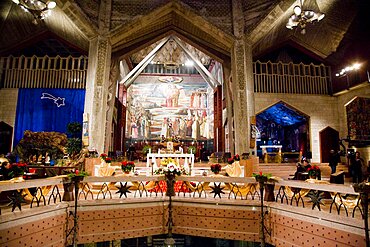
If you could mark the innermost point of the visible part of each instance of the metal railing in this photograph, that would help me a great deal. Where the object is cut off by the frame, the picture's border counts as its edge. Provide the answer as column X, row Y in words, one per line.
column 343, row 201
column 43, row 72
column 291, row 78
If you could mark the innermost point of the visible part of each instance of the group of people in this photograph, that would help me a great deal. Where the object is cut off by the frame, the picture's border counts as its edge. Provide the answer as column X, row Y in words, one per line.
column 358, row 170
column 302, row 167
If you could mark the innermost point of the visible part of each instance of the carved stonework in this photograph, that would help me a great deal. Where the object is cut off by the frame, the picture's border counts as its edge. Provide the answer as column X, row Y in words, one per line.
column 102, row 59
column 240, row 66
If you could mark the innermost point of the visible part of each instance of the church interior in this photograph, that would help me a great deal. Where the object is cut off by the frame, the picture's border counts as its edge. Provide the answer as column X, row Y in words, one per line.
column 125, row 101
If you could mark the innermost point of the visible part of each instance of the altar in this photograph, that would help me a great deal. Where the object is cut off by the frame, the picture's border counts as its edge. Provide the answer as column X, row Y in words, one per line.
column 151, row 158
column 265, row 154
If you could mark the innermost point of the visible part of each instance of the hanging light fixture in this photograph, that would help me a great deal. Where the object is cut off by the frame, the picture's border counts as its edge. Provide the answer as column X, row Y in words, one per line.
column 38, row 8
column 306, row 12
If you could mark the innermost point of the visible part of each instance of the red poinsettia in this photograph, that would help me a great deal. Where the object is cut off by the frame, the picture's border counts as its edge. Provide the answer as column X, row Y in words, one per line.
column 127, row 166
column 230, row 160
column 236, row 157
column 216, row 168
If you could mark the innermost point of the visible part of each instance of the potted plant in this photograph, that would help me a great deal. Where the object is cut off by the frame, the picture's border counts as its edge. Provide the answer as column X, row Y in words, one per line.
column 75, row 176
column 314, row 172
column 216, row 168
column 127, row 166
column 192, row 150
column 145, row 151
column 170, row 169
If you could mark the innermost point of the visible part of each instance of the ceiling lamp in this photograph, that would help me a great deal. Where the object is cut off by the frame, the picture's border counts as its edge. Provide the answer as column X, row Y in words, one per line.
column 38, row 8
column 308, row 12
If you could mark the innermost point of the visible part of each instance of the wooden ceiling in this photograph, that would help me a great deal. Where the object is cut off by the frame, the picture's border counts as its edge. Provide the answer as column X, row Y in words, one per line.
column 207, row 26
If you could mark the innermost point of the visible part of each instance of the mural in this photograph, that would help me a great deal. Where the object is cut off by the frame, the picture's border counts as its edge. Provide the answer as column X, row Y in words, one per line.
column 358, row 119
column 170, row 107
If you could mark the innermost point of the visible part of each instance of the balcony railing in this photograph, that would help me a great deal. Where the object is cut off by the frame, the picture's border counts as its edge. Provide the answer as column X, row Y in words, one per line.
column 286, row 192
column 117, row 193
column 291, row 78
column 43, row 72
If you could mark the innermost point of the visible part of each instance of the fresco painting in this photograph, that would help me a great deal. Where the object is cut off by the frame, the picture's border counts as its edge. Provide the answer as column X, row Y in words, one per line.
column 170, row 108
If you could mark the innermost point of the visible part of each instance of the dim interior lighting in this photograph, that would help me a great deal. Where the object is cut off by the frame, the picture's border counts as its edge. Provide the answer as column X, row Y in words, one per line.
column 306, row 12
column 354, row 67
column 38, row 8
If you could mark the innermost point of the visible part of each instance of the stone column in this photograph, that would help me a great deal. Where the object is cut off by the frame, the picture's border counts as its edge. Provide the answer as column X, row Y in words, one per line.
column 113, row 77
column 249, row 83
column 97, row 91
column 229, row 110
column 242, row 82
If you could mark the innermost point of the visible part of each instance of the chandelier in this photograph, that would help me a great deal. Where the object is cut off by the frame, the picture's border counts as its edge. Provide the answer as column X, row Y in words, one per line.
column 305, row 13
column 38, row 8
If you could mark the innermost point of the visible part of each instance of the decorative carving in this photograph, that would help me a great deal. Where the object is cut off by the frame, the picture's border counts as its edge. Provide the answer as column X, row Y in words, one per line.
column 102, row 59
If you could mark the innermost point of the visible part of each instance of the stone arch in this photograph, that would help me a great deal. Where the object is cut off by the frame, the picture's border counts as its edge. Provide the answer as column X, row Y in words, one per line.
column 283, row 124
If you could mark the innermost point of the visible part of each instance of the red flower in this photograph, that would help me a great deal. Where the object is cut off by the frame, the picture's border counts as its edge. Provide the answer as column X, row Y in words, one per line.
column 236, row 157
column 230, row 160
column 76, row 171
column 108, row 160
column 260, row 173
column 215, row 167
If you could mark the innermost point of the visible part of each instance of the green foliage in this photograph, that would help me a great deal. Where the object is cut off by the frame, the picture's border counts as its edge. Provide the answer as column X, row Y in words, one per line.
column 77, row 174
column 74, row 129
column 192, row 149
column 74, row 146
column 145, row 149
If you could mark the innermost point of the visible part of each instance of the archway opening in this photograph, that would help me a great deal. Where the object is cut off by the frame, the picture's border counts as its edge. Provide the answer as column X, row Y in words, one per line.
column 170, row 100
column 283, row 134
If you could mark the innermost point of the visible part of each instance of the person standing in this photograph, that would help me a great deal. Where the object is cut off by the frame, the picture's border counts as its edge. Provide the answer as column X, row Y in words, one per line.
column 357, row 165
column 333, row 161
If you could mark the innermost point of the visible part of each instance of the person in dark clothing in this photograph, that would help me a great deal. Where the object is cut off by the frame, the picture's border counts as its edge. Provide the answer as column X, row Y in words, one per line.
column 301, row 168
column 131, row 153
column 357, row 164
column 333, row 161
column 5, row 170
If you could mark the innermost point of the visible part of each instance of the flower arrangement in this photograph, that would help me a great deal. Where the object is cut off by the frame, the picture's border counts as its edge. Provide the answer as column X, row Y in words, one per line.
column 216, row 168
column 103, row 156
column 260, row 177
column 314, row 171
column 77, row 173
column 108, row 160
column 169, row 167
column 127, row 166
column 236, row 157
column 17, row 169
column 230, row 160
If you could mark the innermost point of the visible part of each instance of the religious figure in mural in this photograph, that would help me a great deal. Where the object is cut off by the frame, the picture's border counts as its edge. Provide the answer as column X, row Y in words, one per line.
column 195, row 127
column 173, row 93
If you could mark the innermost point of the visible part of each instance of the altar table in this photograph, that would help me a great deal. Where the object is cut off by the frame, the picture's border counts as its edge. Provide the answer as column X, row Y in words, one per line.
column 188, row 159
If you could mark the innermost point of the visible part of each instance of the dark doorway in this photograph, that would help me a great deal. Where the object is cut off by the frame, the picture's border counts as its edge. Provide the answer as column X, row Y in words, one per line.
column 6, row 133
column 329, row 139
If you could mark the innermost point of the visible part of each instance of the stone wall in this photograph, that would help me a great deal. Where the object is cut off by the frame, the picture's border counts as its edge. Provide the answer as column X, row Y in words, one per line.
column 8, row 105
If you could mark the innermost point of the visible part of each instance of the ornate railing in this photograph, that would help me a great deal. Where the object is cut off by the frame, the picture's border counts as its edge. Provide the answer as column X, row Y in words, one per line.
column 340, row 200
column 331, row 198
column 291, row 78
column 43, row 72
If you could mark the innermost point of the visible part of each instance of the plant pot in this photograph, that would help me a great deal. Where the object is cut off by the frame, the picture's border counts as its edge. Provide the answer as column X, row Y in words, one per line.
column 170, row 181
column 269, row 192
column 68, row 192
